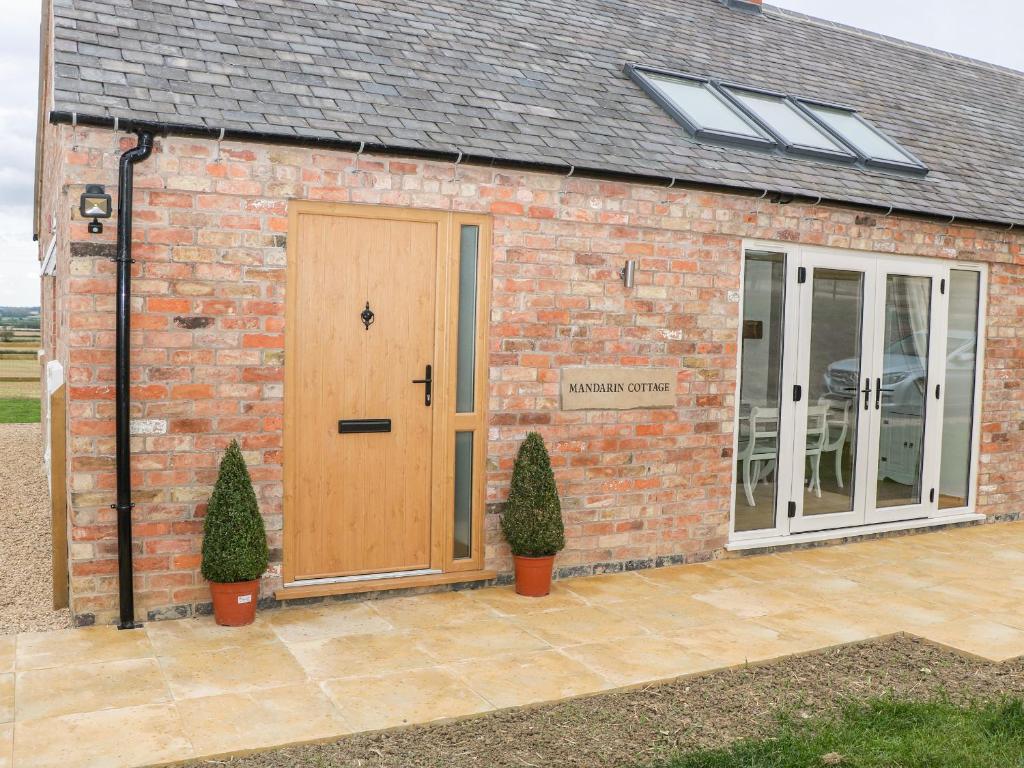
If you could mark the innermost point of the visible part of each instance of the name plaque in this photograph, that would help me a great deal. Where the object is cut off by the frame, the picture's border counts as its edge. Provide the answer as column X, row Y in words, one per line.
column 617, row 388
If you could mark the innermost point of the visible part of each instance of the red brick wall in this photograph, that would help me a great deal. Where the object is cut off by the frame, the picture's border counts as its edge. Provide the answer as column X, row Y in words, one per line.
column 648, row 486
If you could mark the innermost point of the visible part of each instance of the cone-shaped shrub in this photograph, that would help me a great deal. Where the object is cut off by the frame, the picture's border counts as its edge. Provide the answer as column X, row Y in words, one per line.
column 234, row 539
column 532, row 520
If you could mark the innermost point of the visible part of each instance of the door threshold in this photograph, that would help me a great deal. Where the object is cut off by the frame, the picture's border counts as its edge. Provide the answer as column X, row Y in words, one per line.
column 377, row 582
column 362, row 577
column 782, row 540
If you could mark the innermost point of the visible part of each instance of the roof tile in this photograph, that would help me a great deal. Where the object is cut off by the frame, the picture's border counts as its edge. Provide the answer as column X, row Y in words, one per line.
column 542, row 81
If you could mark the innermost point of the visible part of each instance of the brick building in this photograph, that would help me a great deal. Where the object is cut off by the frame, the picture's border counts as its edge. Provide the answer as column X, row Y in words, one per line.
column 810, row 230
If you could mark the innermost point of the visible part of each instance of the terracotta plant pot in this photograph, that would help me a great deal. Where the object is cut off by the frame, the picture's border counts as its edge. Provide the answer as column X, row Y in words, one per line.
column 234, row 604
column 533, row 575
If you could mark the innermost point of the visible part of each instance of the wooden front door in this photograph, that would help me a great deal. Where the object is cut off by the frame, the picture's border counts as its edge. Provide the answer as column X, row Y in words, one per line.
column 365, row 324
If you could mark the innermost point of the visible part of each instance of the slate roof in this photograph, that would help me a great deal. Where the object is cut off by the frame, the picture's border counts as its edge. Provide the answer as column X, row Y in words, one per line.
column 542, row 81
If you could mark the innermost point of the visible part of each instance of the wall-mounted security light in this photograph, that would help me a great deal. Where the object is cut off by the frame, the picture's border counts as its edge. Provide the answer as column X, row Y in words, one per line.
column 628, row 273
column 94, row 204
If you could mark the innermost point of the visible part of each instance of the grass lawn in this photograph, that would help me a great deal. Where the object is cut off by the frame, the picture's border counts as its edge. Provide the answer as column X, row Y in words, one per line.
column 883, row 734
column 19, row 410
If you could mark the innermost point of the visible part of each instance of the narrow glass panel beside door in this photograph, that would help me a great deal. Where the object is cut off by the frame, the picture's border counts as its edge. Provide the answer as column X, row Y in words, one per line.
column 958, row 402
column 900, row 393
column 760, row 374
column 465, row 378
column 834, row 393
column 462, row 544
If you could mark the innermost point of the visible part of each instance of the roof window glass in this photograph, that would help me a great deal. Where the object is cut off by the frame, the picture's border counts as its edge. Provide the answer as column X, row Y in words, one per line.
column 876, row 148
column 790, row 124
column 779, row 123
column 704, row 111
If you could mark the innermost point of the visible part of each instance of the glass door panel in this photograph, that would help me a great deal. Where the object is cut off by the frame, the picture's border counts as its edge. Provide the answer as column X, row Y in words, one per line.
column 958, row 391
column 901, row 391
column 905, row 438
column 829, row 449
column 759, row 423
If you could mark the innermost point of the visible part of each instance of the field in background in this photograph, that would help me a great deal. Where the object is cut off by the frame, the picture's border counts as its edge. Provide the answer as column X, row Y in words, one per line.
column 19, row 365
column 19, row 389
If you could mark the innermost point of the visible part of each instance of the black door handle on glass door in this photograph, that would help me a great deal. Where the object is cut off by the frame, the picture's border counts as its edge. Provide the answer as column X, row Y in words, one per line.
column 879, row 389
column 867, row 392
column 428, row 382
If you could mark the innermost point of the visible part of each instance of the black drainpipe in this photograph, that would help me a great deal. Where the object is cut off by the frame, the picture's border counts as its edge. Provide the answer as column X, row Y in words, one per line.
column 124, row 505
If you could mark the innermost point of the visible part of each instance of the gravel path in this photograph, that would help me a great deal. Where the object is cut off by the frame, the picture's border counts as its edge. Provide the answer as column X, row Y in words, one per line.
column 25, row 575
column 645, row 725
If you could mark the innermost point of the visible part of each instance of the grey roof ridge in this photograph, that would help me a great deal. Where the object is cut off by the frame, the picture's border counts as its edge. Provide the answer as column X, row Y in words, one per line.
column 895, row 41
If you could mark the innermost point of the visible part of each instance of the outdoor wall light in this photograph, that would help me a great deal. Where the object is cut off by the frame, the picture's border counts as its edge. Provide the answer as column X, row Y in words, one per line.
column 628, row 273
column 94, row 204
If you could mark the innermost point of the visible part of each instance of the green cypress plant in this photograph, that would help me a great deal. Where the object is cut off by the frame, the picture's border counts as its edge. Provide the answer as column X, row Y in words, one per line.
column 234, row 539
column 532, row 520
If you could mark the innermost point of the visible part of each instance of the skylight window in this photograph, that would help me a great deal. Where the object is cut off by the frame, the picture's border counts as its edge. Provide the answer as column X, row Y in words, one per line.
column 795, row 130
column 701, row 108
column 876, row 148
column 736, row 115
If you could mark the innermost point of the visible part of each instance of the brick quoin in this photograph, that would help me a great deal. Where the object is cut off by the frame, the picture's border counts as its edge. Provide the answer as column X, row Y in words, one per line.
column 639, row 488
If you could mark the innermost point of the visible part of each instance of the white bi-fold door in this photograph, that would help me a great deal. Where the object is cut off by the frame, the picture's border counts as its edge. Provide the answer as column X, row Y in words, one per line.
column 844, row 360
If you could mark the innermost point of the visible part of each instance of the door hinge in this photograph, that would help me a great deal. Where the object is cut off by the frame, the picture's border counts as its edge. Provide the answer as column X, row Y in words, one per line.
column 942, row 286
column 791, row 509
column 798, row 393
column 931, row 495
column 801, row 274
column 938, row 391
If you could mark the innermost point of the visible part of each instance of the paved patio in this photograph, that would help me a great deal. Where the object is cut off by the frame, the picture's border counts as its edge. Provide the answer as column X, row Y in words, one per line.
column 186, row 689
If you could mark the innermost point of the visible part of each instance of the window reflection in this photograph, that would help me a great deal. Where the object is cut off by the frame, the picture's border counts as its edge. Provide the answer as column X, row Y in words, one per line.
column 958, row 404
column 760, row 373
column 834, row 382
column 902, row 390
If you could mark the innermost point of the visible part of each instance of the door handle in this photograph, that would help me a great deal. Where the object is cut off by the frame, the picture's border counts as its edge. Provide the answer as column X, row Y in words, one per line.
column 428, row 383
column 867, row 392
column 878, row 394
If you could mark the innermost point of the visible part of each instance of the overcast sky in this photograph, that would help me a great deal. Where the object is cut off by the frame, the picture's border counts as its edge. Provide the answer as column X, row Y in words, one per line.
column 984, row 29
column 19, row 43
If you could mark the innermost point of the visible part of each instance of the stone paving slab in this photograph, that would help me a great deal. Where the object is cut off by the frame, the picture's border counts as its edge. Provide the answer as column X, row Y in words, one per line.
column 189, row 689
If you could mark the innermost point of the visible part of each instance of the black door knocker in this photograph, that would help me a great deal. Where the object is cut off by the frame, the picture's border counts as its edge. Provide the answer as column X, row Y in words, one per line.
column 367, row 316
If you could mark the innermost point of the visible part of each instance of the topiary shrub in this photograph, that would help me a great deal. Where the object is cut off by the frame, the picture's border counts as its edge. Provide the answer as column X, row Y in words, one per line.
column 234, row 539
column 532, row 520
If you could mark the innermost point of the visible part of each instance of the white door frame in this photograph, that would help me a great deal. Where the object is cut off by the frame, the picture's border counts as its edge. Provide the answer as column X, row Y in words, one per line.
column 795, row 323
column 932, row 442
column 810, row 261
